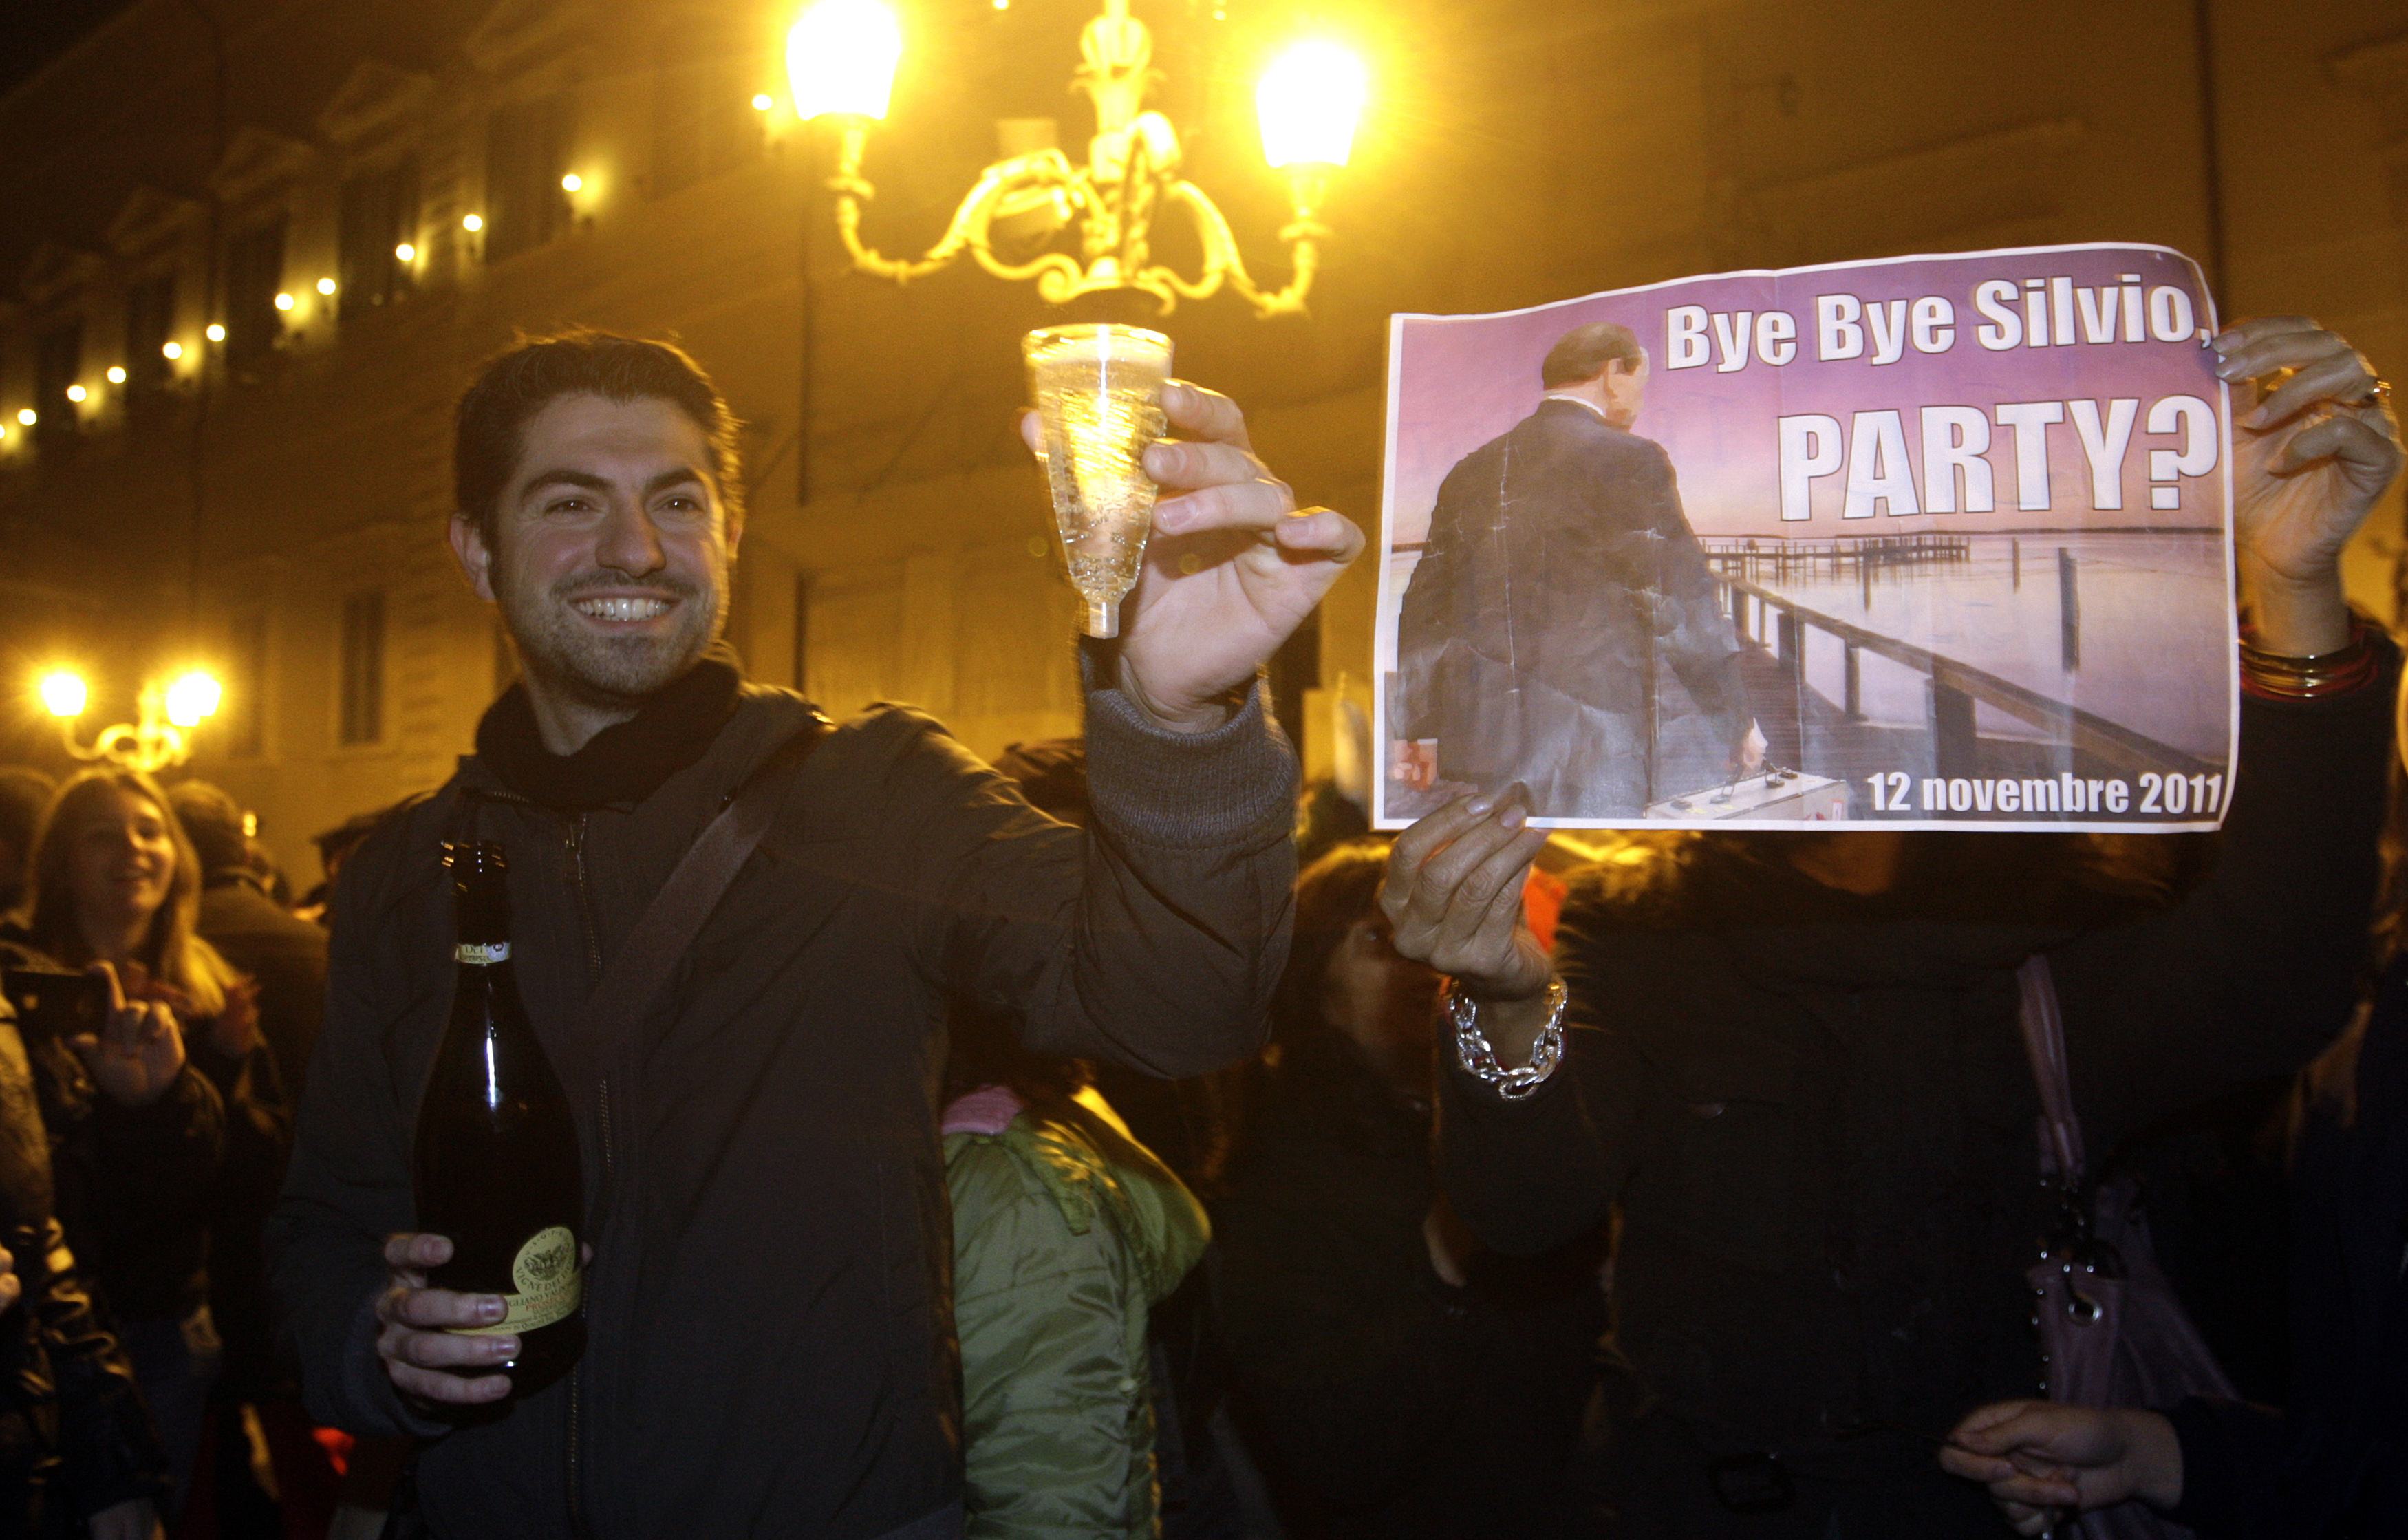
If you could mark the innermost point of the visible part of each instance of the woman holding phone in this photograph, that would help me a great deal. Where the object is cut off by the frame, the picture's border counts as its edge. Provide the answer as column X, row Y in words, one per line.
column 154, row 1113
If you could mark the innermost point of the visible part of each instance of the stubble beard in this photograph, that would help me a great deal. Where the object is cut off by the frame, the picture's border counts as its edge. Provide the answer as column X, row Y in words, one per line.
column 561, row 655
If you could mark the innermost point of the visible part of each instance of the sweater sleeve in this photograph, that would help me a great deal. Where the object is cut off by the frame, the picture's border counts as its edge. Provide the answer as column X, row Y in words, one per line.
column 2257, row 967
column 1151, row 938
column 1057, row 1431
column 1530, row 1175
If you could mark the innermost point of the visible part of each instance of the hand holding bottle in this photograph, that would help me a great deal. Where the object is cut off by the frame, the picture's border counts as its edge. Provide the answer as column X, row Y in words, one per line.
column 421, row 1333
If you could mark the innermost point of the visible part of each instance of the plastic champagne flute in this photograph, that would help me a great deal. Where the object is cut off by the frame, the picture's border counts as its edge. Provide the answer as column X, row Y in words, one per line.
column 1098, row 397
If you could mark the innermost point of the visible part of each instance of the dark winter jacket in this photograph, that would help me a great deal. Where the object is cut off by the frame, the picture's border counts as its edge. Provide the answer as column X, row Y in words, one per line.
column 137, row 1187
column 74, row 1437
column 2332, row 1464
column 285, row 955
column 1388, row 1404
column 1813, row 1115
column 769, row 1344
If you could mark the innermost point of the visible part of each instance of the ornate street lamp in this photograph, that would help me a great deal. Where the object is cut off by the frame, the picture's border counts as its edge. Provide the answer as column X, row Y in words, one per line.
column 842, row 57
column 159, row 737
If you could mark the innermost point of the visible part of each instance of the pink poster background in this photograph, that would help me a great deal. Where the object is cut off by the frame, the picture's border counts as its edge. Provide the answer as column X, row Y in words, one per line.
column 1461, row 381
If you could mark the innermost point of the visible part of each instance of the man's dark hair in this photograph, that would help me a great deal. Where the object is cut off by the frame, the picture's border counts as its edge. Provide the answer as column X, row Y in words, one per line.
column 534, row 372
column 213, row 822
column 1583, row 353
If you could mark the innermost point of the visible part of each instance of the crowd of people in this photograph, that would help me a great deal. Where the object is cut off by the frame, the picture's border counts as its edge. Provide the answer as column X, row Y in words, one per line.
column 1034, row 1150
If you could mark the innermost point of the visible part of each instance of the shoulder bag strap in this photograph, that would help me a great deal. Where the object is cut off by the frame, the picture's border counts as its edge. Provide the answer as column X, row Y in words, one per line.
column 2060, row 1130
column 635, row 976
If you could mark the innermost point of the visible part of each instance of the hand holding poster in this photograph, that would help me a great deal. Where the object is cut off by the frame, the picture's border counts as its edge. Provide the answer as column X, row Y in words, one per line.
column 1934, row 541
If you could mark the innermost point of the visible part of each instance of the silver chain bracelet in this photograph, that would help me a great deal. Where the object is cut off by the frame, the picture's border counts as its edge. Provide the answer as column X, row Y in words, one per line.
column 1479, row 1056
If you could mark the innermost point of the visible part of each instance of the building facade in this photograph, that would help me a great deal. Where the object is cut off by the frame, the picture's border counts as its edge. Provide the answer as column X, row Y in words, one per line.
column 365, row 200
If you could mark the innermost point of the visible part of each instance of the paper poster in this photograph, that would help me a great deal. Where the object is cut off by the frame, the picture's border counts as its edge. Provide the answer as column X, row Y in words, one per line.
column 1938, row 541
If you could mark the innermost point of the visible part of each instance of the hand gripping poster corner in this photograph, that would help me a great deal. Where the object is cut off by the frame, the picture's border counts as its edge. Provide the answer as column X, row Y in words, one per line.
column 1932, row 542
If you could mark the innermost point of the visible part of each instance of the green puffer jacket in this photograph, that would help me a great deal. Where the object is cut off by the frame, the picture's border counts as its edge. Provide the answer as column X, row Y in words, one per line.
column 1066, row 1233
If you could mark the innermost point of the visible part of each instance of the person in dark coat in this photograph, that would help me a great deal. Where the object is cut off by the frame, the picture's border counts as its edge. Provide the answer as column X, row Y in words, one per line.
column 1399, row 1380
column 283, row 954
column 1794, row 1072
column 78, row 1453
column 2331, row 1462
column 154, row 1148
column 768, row 1347
column 1562, row 620
column 24, row 792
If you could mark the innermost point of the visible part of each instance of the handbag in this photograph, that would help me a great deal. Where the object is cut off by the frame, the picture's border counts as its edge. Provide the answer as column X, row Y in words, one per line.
column 2112, row 1333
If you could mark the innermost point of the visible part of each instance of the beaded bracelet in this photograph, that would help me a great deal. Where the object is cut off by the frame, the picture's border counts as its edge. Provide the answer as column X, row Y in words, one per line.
column 2277, row 676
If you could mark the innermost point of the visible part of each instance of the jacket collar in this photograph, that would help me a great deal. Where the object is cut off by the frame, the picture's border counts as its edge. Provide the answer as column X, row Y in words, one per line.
column 624, row 763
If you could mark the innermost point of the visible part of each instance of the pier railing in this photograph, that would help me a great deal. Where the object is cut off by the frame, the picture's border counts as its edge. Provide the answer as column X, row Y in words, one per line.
column 1761, row 616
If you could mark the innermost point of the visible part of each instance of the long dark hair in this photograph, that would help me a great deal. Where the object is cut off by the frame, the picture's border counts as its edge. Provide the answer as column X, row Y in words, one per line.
column 173, row 949
column 1331, row 894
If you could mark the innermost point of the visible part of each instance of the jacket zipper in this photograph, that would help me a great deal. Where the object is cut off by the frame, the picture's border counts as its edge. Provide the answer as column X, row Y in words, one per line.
column 576, row 1519
column 585, row 900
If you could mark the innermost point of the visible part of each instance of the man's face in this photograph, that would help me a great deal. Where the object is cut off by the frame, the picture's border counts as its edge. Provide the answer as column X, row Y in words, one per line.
column 610, row 554
column 1626, row 382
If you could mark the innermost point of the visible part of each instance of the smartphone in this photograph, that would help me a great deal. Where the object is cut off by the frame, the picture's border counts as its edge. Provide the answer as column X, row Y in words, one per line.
column 53, row 1003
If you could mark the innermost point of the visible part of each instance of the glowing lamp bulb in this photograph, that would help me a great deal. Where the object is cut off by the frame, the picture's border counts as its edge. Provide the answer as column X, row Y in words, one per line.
column 117, row 374
column 404, row 252
column 28, row 416
column 63, row 694
column 325, row 286
column 285, row 302
column 840, row 58
column 171, row 350
column 192, row 698
column 472, row 222
column 1309, row 102
column 215, row 331
column 761, row 102
column 572, row 183
column 77, row 393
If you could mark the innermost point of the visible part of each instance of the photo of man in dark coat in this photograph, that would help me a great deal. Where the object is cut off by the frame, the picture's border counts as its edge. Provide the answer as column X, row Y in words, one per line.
column 1559, row 582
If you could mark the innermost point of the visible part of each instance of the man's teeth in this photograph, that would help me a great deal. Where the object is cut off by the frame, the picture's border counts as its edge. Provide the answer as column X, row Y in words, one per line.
column 622, row 609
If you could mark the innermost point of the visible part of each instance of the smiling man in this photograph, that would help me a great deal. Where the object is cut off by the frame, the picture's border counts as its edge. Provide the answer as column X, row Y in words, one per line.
column 769, row 1345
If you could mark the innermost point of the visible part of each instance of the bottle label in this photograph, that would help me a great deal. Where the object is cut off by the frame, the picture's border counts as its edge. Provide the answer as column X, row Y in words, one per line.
column 548, row 1282
column 482, row 954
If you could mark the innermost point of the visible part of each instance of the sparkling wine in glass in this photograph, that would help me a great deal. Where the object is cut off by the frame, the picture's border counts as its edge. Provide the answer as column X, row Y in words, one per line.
column 1099, row 391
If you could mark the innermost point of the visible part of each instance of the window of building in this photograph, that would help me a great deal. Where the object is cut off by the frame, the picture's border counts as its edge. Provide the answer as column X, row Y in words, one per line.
column 362, row 703
column 703, row 121
column 255, row 273
column 526, row 153
column 379, row 211
column 58, row 363
column 245, row 717
column 149, row 322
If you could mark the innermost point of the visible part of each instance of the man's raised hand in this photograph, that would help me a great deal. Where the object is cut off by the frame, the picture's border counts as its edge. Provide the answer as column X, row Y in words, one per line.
column 1232, row 568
